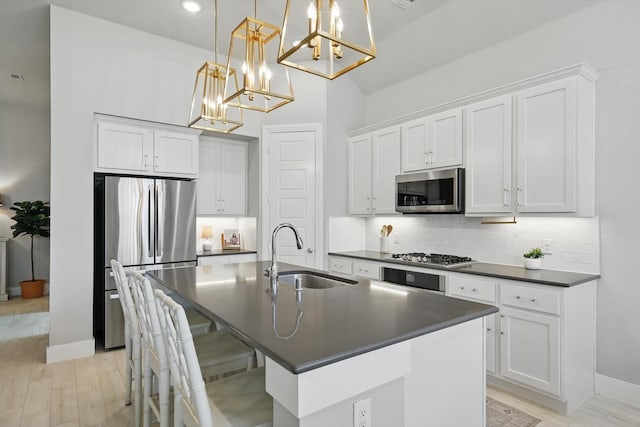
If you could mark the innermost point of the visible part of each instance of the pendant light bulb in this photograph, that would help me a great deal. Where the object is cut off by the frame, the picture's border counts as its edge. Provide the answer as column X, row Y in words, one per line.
column 311, row 11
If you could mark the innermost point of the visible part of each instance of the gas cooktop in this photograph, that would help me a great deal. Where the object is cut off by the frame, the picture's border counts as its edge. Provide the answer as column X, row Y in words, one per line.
column 436, row 259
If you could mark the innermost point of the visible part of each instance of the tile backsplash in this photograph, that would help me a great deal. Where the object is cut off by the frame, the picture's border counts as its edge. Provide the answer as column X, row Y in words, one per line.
column 575, row 242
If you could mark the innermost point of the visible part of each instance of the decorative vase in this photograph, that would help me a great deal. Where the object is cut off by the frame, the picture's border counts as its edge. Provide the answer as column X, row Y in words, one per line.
column 32, row 288
column 532, row 263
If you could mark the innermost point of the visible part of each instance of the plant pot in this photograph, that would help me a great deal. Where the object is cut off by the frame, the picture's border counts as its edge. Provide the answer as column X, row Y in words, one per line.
column 32, row 288
column 532, row 263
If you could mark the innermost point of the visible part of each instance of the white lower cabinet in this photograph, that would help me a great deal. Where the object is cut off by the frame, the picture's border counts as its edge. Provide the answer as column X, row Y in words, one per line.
column 530, row 348
column 370, row 270
column 340, row 265
column 546, row 337
column 492, row 364
column 355, row 267
column 227, row 259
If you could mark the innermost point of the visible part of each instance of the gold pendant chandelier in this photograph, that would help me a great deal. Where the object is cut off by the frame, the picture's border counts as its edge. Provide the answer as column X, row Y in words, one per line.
column 208, row 110
column 264, row 87
column 325, row 49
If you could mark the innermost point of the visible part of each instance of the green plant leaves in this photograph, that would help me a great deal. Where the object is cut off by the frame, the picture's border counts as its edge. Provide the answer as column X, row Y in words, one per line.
column 31, row 218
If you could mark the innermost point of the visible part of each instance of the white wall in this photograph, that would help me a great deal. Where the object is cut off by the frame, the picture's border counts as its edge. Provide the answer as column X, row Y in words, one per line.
column 98, row 66
column 24, row 175
column 605, row 36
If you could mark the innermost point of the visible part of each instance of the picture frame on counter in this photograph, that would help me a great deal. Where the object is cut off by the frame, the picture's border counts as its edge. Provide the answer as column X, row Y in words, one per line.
column 231, row 239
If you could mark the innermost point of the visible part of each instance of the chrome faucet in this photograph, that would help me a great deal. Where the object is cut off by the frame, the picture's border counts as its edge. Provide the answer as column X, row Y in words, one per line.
column 273, row 270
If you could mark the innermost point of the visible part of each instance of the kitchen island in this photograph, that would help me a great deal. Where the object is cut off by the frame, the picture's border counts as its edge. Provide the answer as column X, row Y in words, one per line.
column 418, row 356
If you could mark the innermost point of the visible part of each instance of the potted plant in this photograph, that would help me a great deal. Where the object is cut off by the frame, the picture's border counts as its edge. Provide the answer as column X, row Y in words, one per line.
column 533, row 259
column 32, row 219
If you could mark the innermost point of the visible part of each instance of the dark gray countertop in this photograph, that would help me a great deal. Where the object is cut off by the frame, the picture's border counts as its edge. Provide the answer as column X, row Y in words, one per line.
column 221, row 252
column 336, row 323
column 512, row 272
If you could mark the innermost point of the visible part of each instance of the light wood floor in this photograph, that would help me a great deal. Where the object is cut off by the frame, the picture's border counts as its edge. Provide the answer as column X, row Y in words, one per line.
column 90, row 391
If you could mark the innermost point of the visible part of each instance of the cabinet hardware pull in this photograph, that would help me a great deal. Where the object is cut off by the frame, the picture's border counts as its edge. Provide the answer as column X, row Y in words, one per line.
column 517, row 296
column 146, row 160
column 462, row 288
column 504, row 197
column 519, row 193
column 157, row 162
column 474, row 290
column 488, row 329
column 502, row 315
column 501, row 333
column 533, row 300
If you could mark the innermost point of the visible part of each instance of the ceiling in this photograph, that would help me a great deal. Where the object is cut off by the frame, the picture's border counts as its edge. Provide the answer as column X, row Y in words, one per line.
column 426, row 35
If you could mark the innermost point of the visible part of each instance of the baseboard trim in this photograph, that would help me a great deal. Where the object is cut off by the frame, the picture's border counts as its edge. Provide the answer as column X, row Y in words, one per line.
column 618, row 389
column 73, row 350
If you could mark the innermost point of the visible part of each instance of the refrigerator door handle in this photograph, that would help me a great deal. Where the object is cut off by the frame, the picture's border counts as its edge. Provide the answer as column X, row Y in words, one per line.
column 149, row 224
column 159, row 232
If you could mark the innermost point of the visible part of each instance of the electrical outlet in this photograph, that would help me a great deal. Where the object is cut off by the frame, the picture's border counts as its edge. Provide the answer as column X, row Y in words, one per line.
column 546, row 246
column 362, row 413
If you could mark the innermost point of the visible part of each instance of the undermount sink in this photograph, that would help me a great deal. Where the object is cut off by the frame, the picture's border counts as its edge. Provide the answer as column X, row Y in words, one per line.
column 312, row 280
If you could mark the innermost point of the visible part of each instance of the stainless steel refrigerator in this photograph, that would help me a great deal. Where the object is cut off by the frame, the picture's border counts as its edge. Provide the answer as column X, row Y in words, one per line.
column 144, row 223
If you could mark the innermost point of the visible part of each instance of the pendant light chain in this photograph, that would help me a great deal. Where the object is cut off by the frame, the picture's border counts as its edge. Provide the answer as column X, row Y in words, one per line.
column 215, row 31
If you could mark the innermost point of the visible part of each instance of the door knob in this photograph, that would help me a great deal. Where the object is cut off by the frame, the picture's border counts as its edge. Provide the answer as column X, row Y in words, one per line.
column 310, row 250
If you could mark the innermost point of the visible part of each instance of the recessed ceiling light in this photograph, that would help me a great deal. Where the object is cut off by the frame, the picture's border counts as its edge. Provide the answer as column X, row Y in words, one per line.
column 191, row 6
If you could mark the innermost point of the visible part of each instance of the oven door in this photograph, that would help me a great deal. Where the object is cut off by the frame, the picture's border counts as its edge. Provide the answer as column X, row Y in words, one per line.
column 426, row 281
column 431, row 192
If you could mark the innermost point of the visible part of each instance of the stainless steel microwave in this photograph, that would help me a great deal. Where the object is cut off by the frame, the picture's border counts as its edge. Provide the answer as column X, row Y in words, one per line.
column 440, row 191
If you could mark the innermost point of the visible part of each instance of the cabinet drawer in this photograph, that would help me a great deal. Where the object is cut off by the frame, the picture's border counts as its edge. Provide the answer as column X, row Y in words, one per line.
column 532, row 298
column 366, row 269
column 340, row 265
column 478, row 289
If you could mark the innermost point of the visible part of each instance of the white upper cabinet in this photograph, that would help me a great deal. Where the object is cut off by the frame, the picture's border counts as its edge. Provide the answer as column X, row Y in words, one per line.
column 222, row 184
column 546, row 147
column 432, row 142
column 175, row 152
column 359, row 188
column 488, row 144
column 538, row 160
column 374, row 162
column 385, row 161
column 136, row 147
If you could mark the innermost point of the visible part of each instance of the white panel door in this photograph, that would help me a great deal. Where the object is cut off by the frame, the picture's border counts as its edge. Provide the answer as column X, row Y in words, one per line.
column 488, row 151
column 546, row 148
column 414, row 145
column 385, row 161
column 292, row 193
column 530, row 349
column 445, row 141
column 233, row 179
column 208, row 178
column 124, row 147
column 175, row 152
column 359, row 183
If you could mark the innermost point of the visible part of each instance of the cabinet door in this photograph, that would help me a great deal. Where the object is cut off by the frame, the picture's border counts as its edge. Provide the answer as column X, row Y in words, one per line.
column 233, row 179
column 360, row 175
column 370, row 270
column 208, row 178
column 124, row 147
column 414, row 145
column 444, row 147
column 530, row 349
column 488, row 152
column 385, row 151
column 490, row 324
column 175, row 153
column 546, row 148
